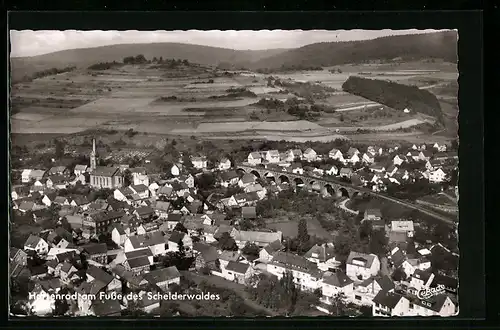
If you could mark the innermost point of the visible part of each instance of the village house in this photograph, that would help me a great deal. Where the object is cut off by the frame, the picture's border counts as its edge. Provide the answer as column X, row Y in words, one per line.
column 18, row 256
column 110, row 283
column 246, row 180
column 97, row 252
column 224, row 164
column 153, row 188
column 178, row 239
column 166, row 191
column 229, row 178
column 399, row 159
column 145, row 228
column 266, row 253
column 163, row 278
column 57, row 181
column 154, row 241
column 199, row 163
column 361, row 266
column 254, row 158
column 368, row 158
column 36, row 244
column 377, row 168
column 42, row 302
column 118, row 234
column 310, row 155
column 439, row 305
column 335, row 283
column 206, row 256
column 173, row 219
column 403, row 226
column 346, row 172
column 67, row 272
column 323, row 256
column 331, row 170
column 365, row 291
column 296, row 168
column 106, row 177
column 305, row 273
column 144, row 252
column 259, row 238
column 437, row 176
column 353, row 158
column 138, row 265
column 144, row 212
column 105, row 308
column 141, row 190
column 450, row 284
column 336, row 154
column 439, row 147
column 175, row 170
column 58, row 170
column 293, row 154
column 25, row 175
column 161, row 209
column 139, row 176
column 80, row 169
column 413, row 155
column 19, row 192
column 272, row 156
column 237, row 272
column 421, row 280
column 425, row 155
column 37, row 175
column 390, row 304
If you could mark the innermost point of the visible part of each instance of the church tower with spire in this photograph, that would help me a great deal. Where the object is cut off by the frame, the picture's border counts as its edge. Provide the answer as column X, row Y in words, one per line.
column 93, row 157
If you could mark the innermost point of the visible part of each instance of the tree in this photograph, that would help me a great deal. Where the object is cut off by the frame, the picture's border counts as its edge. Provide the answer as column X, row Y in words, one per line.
column 399, row 275
column 454, row 145
column 338, row 306
column 127, row 177
column 206, row 181
column 180, row 228
column 341, row 117
column 186, row 161
column 59, row 148
column 61, row 306
column 303, row 235
column 251, row 249
column 227, row 243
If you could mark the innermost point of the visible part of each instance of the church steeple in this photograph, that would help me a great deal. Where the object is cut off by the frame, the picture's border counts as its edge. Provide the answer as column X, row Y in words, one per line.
column 93, row 157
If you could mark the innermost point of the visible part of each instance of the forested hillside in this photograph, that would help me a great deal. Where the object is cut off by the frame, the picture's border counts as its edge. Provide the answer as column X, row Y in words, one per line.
column 396, row 96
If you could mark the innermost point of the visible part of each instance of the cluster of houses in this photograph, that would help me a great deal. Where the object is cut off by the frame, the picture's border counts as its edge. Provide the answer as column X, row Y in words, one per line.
column 363, row 168
column 116, row 244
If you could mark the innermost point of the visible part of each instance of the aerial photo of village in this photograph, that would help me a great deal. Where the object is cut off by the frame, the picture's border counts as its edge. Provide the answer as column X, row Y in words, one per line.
column 234, row 173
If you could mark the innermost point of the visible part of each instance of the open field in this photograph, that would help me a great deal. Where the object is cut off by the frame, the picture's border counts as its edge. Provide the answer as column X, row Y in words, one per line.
column 140, row 97
column 290, row 227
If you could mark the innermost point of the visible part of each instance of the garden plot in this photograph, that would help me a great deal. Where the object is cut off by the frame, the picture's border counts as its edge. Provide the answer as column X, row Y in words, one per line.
column 262, row 126
column 32, row 117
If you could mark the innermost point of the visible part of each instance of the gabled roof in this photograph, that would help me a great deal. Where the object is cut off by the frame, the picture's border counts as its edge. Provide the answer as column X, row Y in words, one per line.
column 248, row 178
column 57, row 169
column 106, row 307
column 174, row 217
column 105, row 171
column 162, row 275
column 295, row 262
column 373, row 212
column 421, row 275
column 385, row 283
column 138, row 262
column 26, row 205
column 208, row 252
column 32, row 241
column 139, row 188
column 144, row 210
column 229, row 175
column 249, row 212
column 254, row 155
column 337, row 279
column 402, row 225
column 256, row 236
column 81, row 167
column 138, row 170
column 176, row 237
column 321, row 252
column 95, row 248
column 387, row 299
column 367, row 259
column 237, row 267
column 274, row 247
column 99, row 274
column 434, row 303
column 398, row 258
column 145, row 252
column 162, row 206
column 119, row 228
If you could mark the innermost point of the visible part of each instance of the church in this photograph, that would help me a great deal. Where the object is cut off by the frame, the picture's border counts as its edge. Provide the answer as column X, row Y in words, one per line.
column 103, row 176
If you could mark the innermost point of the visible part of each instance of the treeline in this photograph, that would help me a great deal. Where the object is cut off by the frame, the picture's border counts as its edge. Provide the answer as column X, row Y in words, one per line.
column 394, row 95
column 104, row 65
column 290, row 68
column 440, row 45
column 45, row 73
